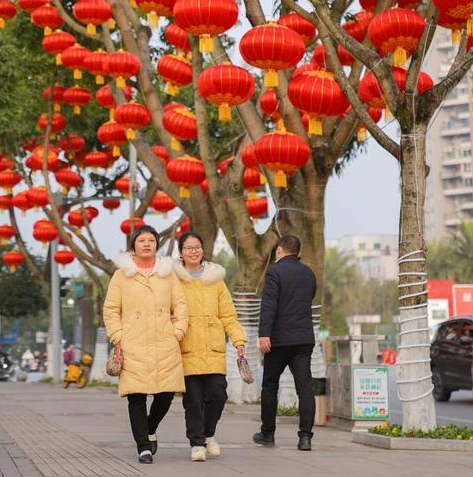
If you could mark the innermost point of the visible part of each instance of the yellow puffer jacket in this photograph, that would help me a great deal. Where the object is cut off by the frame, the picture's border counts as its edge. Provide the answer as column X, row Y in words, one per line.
column 137, row 313
column 211, row 317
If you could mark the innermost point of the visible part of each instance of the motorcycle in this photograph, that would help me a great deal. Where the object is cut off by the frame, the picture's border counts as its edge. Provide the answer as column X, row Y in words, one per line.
column 7, row 370
column 78, row 372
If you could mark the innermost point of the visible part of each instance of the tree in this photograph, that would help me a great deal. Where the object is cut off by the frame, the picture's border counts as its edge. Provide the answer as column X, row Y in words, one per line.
column 462, row 253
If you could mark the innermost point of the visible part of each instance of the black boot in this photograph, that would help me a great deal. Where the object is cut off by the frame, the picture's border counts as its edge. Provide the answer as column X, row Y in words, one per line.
column 304, row 443
column 264, row 440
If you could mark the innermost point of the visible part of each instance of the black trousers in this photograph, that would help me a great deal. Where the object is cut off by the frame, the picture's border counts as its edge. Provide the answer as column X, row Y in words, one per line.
column 275, row 362
column 203, row 403
column 143, row 424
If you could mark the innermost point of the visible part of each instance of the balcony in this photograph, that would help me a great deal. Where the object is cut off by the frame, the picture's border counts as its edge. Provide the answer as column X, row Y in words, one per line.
column 458, row 191
column 455, row 131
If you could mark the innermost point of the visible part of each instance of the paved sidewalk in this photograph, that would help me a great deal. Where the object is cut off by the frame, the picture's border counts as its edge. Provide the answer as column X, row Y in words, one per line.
column 49, row 431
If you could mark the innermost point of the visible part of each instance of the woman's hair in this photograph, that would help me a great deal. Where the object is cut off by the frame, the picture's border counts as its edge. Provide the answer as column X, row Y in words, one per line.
column 185, row 236
column 143, row 230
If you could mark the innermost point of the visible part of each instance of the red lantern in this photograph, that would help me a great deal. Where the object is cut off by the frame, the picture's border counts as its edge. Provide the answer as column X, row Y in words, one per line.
column 104, row 98
column 177, row 36
column 72, row 143
column 57, row 42
column 252, row 180
column 125, row 226
column 93, row 211
column 123, row 185
column 21, row 201
column 185, row 171
column 73, row 59
column 300, row 25
column 7, row 11
column 46, row 17
column 44, row 231
column 39, row 155
column 357, row 26
column 226, row 85
column 454, row 24
column 183, row 228
column 67, row 178
column 396, row 31
column 162, row 203
column 369, row 5
column 376, row 115
column 269, row 104
column 458, row 9
column 94, row 63
column 176, row 71
column 408, row 3
column 282, row 152
column 78, row 97
column 180, row 122
column 111, row 203
column 161, row 153
column 5, row 163
column 318, row 56
column 92, row 13
column 121, row 65
column 132, row 116
column 58, row 122
column 156, row 9
column 96, row 159
column 30, row 5
column 248, row 156
column 64, row 257
column 256, row 206
column 113, row 135
column 75, row 217
column 37, row 196
column 57, row 95
column 5, row 202
column 205, row 19
column 6, row 233
column 8, row 180
column 272, row 48
column 12, row 259
column 222, row 166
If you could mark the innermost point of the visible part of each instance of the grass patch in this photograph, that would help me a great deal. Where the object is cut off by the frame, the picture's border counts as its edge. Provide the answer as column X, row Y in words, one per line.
column 287, row 411
column 442, row 432
column 102, row 384
column 46, row 380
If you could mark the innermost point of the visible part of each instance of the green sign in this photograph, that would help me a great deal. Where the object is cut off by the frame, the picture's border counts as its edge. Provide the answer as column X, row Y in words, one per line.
column 79, row 289
column 370, row 393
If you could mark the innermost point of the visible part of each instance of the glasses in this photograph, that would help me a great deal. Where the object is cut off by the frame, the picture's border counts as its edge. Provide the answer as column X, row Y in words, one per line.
column 197, row 248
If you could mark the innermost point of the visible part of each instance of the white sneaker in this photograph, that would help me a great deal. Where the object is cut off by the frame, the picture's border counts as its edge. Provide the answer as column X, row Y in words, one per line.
column 198, row 454
column 212, row 446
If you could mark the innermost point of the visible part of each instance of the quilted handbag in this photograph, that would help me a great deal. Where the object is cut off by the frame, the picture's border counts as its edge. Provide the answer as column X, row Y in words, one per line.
column 115, row 361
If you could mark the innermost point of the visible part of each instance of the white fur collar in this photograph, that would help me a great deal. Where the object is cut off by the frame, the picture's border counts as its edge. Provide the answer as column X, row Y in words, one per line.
column 163, row 266
column 212, row 273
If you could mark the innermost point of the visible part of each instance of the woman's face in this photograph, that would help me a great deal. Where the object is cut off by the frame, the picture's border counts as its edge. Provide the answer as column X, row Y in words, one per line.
column 192, row 252
column 146, row 246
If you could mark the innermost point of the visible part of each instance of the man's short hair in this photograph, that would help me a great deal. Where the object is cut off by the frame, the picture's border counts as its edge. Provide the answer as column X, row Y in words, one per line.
column 290, row 244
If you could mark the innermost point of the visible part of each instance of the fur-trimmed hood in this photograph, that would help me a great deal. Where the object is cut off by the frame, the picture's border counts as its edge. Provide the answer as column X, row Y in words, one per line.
column 212, row 273
column 163, row 266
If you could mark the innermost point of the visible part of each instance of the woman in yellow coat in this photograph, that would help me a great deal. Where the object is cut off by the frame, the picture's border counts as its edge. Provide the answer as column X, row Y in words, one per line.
column 143, row 295
column 212, row 316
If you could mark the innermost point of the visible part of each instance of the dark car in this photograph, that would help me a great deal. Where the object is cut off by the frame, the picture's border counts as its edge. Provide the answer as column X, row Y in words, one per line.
column 451, row 355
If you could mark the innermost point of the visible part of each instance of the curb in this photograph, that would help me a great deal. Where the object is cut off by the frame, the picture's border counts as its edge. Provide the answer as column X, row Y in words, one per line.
column 403, row 443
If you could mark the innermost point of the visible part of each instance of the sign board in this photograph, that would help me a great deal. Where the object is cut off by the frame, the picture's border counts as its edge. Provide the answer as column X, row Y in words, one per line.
column 462, row 300
column 370, row 397
column 41, row 337
column 79, row 289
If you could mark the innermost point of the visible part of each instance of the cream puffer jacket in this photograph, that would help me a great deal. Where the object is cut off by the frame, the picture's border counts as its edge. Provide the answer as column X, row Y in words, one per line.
column 212, row 316
column 137, row 313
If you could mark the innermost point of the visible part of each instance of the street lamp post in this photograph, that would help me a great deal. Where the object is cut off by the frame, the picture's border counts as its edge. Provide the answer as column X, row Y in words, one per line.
column 55, row 317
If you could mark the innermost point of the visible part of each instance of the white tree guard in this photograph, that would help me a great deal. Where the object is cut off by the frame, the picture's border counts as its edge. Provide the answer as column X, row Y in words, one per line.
column 98, row 371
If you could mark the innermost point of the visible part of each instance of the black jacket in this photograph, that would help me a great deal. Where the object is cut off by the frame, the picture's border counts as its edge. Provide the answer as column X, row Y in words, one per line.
column 286, row 313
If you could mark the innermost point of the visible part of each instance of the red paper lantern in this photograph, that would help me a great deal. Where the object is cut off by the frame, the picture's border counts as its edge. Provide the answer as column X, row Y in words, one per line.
column 300, row 25
column 458, row 9
column 125, row 226
column 252, row 180
column 111, row 203
column 73, row 59
column 64, row 257
column 94, row 212
column 248, row 156
column 68, row 179
column 121, row 65
column 7, row 11
column 21, row 201
column 8, row 180
column 205, row 19
column 408, row 3
column 454, row 24
column 35, row 161
column 104, row 98
column 176, row 71
column 183, row 228
column 180, row 122
column 222, row 166
column 58, row 122
column 185, row 171
column 96, row 159
column 30, row 5
column 256, row 206
column 72, row 143
column 122, row 184
column 57, row 95
column 113, row 135
column 156, row 9
column 92, row 13
column 177, row 36
column 162, row 203
column 37, row 196
column 77, row 97
column 5, row 202
column 46, row 17
column 132, row 116
column 269, row 104
column 6, row 233
column 57, row 42
column 226, row 85
column 272, row 48
column 357, row 26
column 396, row 31
column 12, row 259
column 369, row 5
column 94, row 63
column 5, row 163
column 44, row 231
column 376, row 115
column 282, row 152
column 75, row 217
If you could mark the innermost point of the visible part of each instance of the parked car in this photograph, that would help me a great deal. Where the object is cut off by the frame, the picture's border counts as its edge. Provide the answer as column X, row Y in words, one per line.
column 451, row 355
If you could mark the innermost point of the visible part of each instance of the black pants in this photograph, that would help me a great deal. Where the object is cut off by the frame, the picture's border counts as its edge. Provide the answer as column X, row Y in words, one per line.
column 143, row 424
column 203, row 403
column 298, row 359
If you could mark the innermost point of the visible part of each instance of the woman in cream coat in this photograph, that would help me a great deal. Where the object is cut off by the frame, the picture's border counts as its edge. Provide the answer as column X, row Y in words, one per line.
column 143, row 295
column 212, row 316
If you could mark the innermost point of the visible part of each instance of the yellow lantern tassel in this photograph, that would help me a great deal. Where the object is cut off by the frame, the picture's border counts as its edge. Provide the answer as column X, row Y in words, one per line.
column 175, row 144
column 206, row 44
column 171, row 89
column 184, row 192
column 99, row 79
column 315, row 127
column 456, row 37
column 58, row 59
column 262, row 179
column 361, row 134
column 91, row 30
column 64, row 190
column 270, row 79
column 252, row 194
column 120, row 82
column 76, row 109
column 469, row 26
column 133, row 4
column 111, row 114
column 280, row 180
column 77, row 74
column 12, row 268
column 130, row 134
column 388, row 116
column 153, row 20
column 2, row 23
column 57, row 107
column 111, row 23
column 47, row 31
column 224, row 112
column 400, row 56
column 280, row 125
column 3, row 241
column 165, row 215
column 116, row 151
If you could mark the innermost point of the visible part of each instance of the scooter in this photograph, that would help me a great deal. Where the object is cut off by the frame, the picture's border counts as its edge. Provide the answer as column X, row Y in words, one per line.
column 78, row 372
column 7, row 370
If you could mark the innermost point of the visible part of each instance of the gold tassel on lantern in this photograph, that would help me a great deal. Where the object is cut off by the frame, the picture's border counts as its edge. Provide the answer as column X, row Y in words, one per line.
column 58, row 59
column 469, row 26
column 184, row 192
column 315, row 126
column 262, row 179
column 361, row 134
column 153, row 20
column 111, row 23
column 116, row 151
column 224, row 112
column 270, row 79
column 130, row 134
column 388, row 116
column 400, row 56
column 280, row 180
column 171, row 89
column 91, row 30
column 77, row 74
column 175, row 144
column 121, row 82
column 206, row 44
column 99, row 79
column 456, row 37
column 76, row 109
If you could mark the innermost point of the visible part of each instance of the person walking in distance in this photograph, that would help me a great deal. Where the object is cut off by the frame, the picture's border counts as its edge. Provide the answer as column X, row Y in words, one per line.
column 143, row 295
column 212, row 316
column 286, row 337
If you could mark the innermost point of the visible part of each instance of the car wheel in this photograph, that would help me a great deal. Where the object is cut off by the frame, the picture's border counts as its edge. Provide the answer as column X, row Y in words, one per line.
column 439, row 392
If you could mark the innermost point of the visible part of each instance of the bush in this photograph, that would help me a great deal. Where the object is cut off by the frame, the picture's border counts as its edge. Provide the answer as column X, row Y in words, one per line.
column 441, row 432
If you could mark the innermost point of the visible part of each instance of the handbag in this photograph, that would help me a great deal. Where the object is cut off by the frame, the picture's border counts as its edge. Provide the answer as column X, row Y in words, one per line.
column 244, row 370
column 115, row 361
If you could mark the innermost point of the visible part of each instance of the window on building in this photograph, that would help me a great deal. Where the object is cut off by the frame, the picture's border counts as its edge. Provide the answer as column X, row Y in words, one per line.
column 377, row 246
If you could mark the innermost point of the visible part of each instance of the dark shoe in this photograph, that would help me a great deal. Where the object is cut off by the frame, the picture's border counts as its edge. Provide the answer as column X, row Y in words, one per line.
column 146, row 457
column 304, row 443
column 154, row 443
column 263, row 440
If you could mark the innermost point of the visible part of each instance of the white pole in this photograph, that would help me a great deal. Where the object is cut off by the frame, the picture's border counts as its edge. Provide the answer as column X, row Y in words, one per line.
column 56, row 317
column 133, row 169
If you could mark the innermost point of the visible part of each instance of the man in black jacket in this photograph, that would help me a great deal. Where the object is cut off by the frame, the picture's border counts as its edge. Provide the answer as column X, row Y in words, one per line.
column 286, row 337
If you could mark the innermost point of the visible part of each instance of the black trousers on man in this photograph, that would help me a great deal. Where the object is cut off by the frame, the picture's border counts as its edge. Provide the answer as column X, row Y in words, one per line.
column 203, row 403
column 275, row 362
column 142, row 424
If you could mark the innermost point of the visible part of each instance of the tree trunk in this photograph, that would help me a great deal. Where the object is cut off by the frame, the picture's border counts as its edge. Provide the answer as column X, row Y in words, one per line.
column 413, row 365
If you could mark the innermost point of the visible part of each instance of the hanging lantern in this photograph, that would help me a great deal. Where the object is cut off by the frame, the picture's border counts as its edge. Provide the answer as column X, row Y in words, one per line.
column 156, row 9
column 38, row 196
column 44, row 231
column 162, row 203
column 183, row 228
column 46, row 17
column 256, row 206
column 282, row 152
column 161, row 153
column 318, row 93
column 132, row 116
column 12, row 260
column 57, row 96
column 408, row 3
column 111, row 203
column 205, row 19
column 269, row 104
column 252, row 180
column 21, row 201
column 94, row 63
column 73, row 59
column 5, row 163
column 454, row 24
column 8, row 180
column 222, row 166
column 93, row 211
column 458, row 9
column 7, row 11
column 113, row 135
column 368, row 5
column 68, row 179
column 272, row 48
column 396, row 31
column 35, row 161
column 180, row 122
column 64, row 257
column 58, row 123
column 72, row 144
column 123, row 185
column 248, row 156
column 31, row 5
column 57, row 42
column 5, row 202
column 176, row 71
column 376, row 115
column 125, row 226
column 226, row 85
column 77, row 97
column 6, row 233
column 75, row 218
column 121, row 65
column 96, row 159
column 177, row 37
column 92, row 13
column 185, row 171
column 318, row 56
column 300, row 25
column 104, row 98
column 357, row 26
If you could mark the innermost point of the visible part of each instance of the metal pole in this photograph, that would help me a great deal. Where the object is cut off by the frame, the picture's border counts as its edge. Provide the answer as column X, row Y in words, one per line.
column 133, row 169
column 56, row 317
